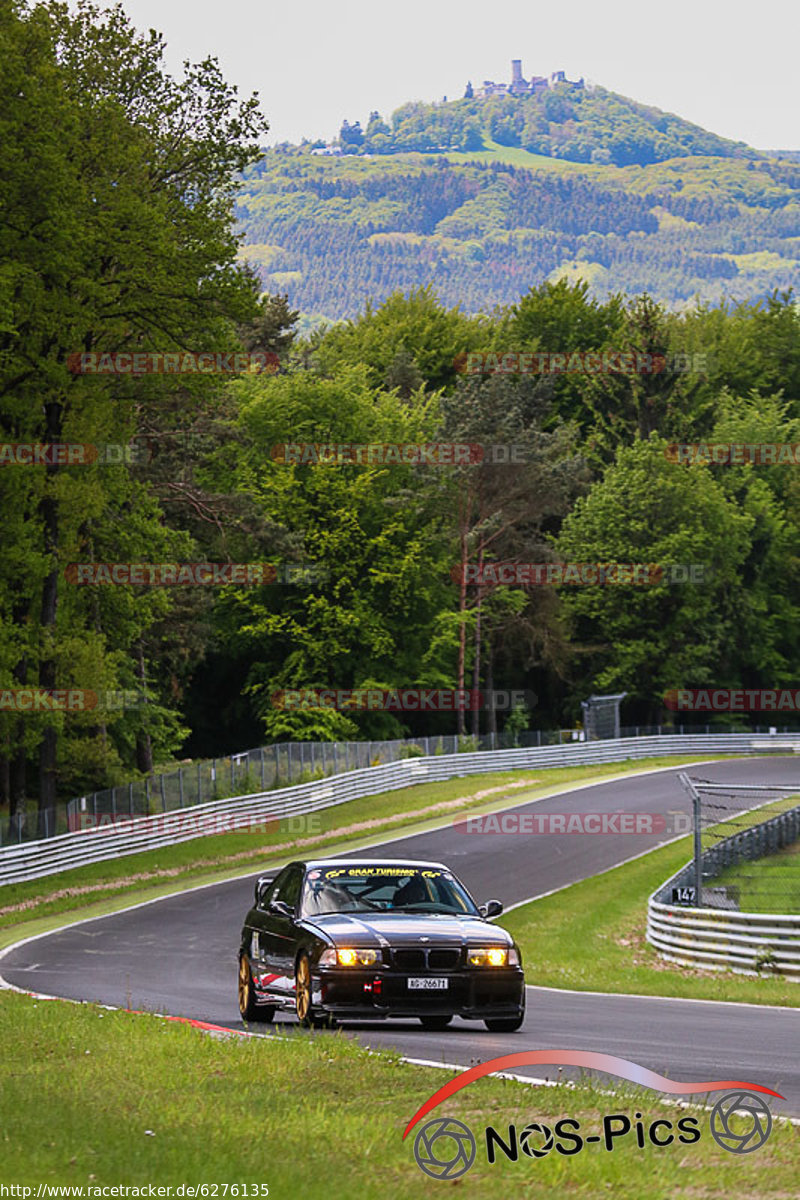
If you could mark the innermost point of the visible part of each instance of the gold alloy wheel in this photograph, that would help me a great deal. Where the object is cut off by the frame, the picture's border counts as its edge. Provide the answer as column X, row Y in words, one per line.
column 302, row 991
column 245, row 985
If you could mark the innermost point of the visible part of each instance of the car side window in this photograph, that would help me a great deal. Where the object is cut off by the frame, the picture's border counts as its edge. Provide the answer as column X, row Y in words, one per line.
column 268, row 894
column 289, row 887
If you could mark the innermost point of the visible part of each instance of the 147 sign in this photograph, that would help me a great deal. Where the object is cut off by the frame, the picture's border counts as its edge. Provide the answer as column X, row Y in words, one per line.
column 684, row 895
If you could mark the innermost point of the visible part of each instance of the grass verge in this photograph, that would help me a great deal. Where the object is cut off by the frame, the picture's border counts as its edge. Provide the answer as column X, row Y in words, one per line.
column 769, row 885
column 93, row 1098
column 591, row 937
column 101, row 887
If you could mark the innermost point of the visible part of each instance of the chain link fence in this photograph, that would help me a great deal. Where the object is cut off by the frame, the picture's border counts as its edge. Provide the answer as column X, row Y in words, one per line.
column 282, row 764
column 279, row 765
column 746, row 847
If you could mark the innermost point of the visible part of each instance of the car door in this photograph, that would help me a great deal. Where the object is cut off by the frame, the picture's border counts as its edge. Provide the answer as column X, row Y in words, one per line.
column 256, row 926
column 278, row 940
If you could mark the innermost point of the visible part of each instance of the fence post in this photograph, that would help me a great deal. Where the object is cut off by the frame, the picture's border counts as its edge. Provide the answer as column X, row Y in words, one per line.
column 130, row 798
column 163, row 794
column 261, row 754
column 689, row 787
column 180, row 785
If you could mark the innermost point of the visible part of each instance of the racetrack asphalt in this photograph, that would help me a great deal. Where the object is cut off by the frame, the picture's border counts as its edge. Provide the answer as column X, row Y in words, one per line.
column 178, row 955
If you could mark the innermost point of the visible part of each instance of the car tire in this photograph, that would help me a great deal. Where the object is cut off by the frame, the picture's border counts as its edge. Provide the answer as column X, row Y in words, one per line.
column 308, row 1017
column 436, row 1021
column 505, row 1024
column 250, row 1010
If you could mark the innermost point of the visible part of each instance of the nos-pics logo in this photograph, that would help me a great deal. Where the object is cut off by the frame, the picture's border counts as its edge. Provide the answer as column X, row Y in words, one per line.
column 445, row 1148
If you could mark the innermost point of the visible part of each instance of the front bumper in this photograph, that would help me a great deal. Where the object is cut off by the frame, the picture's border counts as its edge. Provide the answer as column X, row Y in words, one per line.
column 478, row 994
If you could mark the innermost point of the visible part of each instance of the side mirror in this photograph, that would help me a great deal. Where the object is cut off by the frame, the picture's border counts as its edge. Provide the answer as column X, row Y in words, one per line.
column 262, row 886
column 492, row 908
column 281, row 909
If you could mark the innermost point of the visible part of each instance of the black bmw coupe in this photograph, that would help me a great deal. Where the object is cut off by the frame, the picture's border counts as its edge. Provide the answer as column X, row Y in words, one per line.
column 335, row 939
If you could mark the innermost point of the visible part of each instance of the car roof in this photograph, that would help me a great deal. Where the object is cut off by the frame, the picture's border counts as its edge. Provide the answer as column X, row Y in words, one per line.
column 372, row 862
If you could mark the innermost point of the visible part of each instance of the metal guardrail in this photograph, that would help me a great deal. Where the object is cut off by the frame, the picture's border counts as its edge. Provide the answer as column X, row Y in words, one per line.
column 284, row 764
column 266, row 768
column 33, row 860
column 722, row 939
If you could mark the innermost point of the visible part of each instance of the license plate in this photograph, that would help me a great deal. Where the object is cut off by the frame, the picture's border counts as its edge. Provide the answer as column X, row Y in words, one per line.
column 426, row 985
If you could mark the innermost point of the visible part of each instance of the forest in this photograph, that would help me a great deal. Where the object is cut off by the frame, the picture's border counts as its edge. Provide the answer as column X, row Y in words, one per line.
column 335, row 233
column 129, row 244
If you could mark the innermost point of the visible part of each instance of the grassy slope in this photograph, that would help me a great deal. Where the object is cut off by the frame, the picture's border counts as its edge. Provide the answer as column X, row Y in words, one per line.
column 95, row 1097
column 767, row 884
column 591, row 937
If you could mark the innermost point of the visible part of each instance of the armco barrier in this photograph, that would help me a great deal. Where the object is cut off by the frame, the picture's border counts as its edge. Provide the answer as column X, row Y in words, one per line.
column 721, row 939
column 717, row 939
column 31, row 860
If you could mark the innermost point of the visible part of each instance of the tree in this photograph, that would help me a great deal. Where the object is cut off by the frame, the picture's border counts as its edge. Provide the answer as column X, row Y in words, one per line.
column 471, row 138
column 351, row 137
column 501, row 504
column 371, row 615
column 119, row 237
column 647, row 638
column 416, row 324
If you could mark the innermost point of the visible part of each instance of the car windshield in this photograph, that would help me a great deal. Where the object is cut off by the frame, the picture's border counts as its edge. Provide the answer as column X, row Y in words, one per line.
column 399, row 889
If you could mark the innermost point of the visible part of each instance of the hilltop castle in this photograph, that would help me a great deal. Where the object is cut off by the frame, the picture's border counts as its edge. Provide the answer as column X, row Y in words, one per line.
column 523, row 87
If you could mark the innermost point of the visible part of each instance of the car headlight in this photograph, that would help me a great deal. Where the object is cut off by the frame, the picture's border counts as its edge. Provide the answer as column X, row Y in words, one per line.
column 347, row 956
column 491, row 956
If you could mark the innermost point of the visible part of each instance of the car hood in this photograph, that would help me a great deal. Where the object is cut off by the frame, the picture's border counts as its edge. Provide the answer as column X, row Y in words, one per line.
column 367, row 929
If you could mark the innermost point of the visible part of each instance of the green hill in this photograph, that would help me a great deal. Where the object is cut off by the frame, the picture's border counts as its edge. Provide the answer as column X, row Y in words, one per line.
column 571, row 122
column 484, row 197
column 336, row 232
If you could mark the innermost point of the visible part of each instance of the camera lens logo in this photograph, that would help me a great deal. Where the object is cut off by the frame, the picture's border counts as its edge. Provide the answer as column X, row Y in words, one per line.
column 727, row 1132
column 529, row 1136
column 444, row 1148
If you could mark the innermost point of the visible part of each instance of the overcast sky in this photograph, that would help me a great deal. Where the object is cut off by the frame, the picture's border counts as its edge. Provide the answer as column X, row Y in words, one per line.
column 729, row 66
